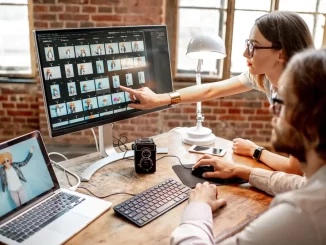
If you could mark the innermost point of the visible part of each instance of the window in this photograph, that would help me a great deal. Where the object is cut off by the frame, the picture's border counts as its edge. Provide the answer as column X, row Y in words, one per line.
column 15, row 49
column 232, row 20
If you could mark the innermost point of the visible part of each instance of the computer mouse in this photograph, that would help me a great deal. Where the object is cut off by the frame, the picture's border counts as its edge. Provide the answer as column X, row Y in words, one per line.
column 198, row 172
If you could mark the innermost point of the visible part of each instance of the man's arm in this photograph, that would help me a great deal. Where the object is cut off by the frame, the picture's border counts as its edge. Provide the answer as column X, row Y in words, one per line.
column 271, row 182
column 23, row 163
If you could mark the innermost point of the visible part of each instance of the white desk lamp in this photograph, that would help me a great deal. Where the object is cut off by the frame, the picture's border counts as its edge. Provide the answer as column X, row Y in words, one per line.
column 202, row 47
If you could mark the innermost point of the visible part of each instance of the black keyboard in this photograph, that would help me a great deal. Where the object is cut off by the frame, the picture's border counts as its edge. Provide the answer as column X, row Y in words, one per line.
column 152, row 203
column 35, row 219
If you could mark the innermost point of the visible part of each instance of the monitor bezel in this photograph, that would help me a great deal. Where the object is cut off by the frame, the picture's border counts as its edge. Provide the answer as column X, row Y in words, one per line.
column 117, row 118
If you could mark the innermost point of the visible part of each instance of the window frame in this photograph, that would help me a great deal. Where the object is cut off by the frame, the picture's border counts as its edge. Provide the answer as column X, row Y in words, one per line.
column 172, row 7
column 23, row 78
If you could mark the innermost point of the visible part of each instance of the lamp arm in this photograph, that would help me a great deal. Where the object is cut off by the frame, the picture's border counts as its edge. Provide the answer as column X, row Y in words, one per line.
column 200, row 117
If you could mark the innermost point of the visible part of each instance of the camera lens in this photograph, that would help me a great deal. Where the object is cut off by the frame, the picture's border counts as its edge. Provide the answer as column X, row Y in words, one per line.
column 146, row 163
column 146, row 153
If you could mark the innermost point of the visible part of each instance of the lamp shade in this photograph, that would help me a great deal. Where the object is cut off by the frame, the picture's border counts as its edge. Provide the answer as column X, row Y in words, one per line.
column 205, row 47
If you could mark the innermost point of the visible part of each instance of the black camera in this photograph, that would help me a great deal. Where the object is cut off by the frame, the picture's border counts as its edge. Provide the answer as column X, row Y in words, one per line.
column 145, row 155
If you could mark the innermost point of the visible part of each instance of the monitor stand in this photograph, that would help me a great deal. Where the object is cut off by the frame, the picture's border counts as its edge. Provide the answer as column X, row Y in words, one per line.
column 108, row 153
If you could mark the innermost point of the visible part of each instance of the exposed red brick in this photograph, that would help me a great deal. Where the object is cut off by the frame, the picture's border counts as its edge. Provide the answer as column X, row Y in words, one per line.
column 73, row 1
column 105, row 9
column 44, row 1
column 121, row 10
column 19, row 120
column 87, row 24
column 3, row 97
column 257, row 125
column 45, row 17
column 56, row 8
column 73, row 17
column 219, row 111
column 263, row 112
column 106, row 17
column 103, row 2
column 226, row 103
column 73, row 9
column 234, row 111
column 232, row 117
column 8, row 105
column 189, row 110
column 21, row 105
column 248, row 111
column 19, row 113
column 40, row 8
column 38, row 24
column 56, row 24
column 71, row 24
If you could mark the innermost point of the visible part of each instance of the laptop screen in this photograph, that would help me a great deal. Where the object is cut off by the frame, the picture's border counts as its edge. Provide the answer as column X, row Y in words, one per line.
column 25, row 173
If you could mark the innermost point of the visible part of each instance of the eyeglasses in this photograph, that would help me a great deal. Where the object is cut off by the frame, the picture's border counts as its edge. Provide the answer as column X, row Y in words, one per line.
column 251, row 48
column 277, row 106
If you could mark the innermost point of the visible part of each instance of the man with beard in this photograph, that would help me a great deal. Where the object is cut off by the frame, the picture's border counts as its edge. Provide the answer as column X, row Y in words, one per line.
column 294, row 217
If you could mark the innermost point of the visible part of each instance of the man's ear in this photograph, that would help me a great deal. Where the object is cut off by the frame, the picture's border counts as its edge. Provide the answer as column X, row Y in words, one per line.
column 281, row 56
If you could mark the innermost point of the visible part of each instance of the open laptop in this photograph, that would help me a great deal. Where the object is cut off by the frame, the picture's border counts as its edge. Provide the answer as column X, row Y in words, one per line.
column 33, row 207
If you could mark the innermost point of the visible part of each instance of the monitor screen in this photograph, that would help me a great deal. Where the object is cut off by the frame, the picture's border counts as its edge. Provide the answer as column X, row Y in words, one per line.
column 81, row 71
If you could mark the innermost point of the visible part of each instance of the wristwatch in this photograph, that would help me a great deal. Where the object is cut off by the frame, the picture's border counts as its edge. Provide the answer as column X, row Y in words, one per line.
column 257, row 153
column 175, row 97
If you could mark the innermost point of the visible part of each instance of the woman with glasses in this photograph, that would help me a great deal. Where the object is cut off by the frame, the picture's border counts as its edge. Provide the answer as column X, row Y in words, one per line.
column 273, row 40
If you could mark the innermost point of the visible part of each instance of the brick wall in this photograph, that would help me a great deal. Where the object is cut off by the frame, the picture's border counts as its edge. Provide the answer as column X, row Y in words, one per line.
column 22, row 108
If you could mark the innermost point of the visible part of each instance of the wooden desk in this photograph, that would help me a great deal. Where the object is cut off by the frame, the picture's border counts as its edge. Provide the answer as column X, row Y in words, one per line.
column 244, row 201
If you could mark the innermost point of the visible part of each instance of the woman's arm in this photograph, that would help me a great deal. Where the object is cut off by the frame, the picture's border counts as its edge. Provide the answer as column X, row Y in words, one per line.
column 247, row 148
column 148, row 99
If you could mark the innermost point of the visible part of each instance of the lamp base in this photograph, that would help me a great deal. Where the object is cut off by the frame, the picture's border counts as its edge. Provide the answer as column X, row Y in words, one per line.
column 199, row 136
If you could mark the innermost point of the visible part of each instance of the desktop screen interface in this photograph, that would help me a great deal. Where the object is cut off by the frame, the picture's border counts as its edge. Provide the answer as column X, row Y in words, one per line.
column 83, row 69
column 23, row 175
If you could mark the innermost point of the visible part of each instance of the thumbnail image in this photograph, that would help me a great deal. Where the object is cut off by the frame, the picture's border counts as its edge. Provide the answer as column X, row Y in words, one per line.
column 66, row 52
column 129, row 79
column 127, row 63
column 85, row 68
column 55, row 125
column 112, row 48
column 102, row 83
column 92, row 116
column 74, row 106
column 139, row 61
column 99, row 66
column 118, row 98
column 137, row 46
column 90, row 103
column 87, row 86
column 72, row 89
column 76, row 120
column 82, row 51
column 127, row 100
column 51, row 73
column 104, row 100
column 69, row 70
column 116, row 81
column 141, row 77
column 114, row 65
column 55, row 91
column 58, row 110
column 49, row 55
column 125, row 47
column 97, row 49
column 106, row 113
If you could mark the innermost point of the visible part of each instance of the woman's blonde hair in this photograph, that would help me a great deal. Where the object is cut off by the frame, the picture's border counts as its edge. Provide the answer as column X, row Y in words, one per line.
column 285, row 30
column 5, row 155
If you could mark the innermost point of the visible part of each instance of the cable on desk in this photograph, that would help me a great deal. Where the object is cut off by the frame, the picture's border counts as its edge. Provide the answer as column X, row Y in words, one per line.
column 73, row 188
column 118, row 193
column 175, row 157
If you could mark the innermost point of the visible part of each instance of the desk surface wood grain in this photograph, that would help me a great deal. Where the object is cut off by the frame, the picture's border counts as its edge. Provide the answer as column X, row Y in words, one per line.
column 244, row 201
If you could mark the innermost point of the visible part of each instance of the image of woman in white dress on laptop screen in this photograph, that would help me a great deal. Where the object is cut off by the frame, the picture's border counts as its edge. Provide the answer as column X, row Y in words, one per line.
column 11, row 176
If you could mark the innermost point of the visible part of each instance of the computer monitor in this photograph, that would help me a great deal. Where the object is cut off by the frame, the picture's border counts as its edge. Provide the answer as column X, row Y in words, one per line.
column 81, row 71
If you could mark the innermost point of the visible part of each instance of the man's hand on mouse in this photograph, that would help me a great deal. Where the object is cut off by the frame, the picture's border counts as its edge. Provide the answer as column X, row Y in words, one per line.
column 207, row 193
column 222, row 168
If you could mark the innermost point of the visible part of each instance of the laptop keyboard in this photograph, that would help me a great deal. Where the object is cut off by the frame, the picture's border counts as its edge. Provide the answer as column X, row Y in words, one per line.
column 35, row 219
column 152, row 203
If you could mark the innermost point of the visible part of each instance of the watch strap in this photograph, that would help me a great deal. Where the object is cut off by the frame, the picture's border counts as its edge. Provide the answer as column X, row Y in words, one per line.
column 257, row 153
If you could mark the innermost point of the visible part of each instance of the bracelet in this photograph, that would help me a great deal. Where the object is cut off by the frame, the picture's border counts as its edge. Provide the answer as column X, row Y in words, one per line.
column 175, row 97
